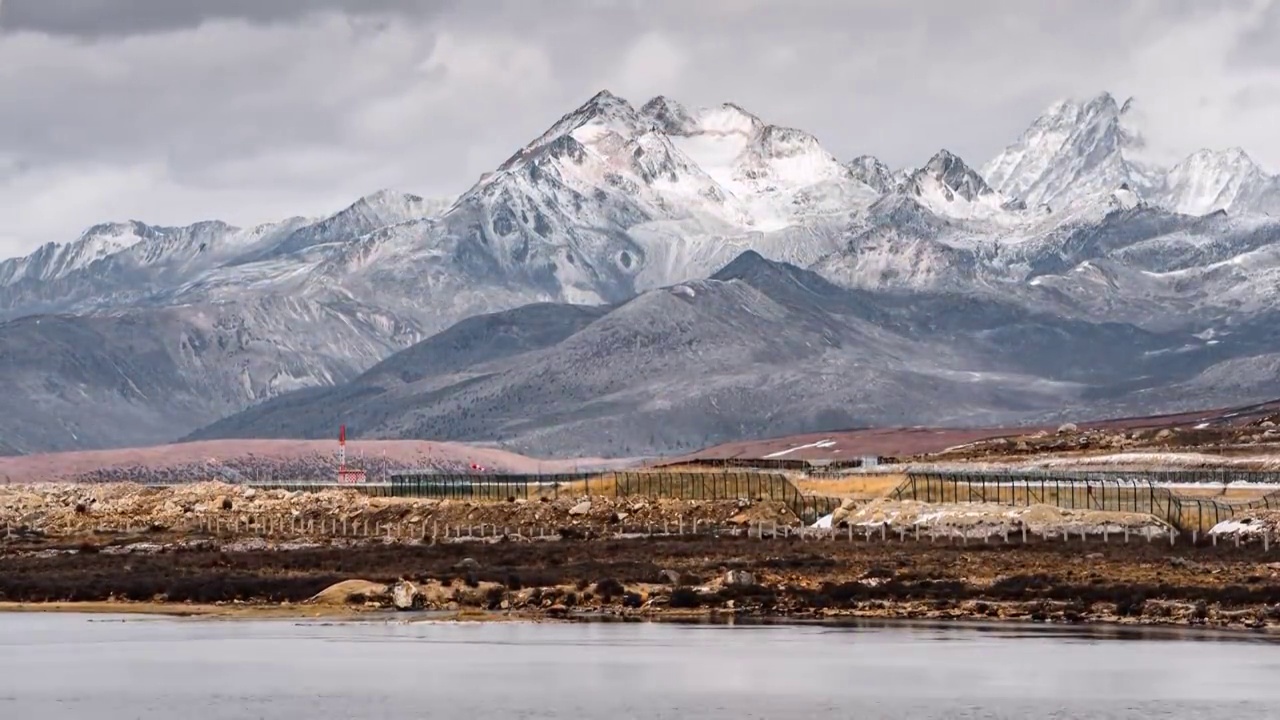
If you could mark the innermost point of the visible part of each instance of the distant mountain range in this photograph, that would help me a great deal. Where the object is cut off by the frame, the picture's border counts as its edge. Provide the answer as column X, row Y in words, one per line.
column 648, row 280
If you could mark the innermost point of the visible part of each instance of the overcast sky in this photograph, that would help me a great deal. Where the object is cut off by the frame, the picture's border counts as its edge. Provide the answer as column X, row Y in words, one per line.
column 173, row 111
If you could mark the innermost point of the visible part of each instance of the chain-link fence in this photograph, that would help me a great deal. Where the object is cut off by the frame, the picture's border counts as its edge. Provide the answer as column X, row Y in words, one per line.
column 1111, row 491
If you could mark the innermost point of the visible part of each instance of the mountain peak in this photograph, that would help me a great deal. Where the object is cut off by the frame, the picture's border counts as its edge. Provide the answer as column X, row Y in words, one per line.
column 603, row 112
column 605, row 102
column 386, row 195
column 953, row 175
column 670, row 116
column 1210, row 180
column 871, row 171
column 1073, row 151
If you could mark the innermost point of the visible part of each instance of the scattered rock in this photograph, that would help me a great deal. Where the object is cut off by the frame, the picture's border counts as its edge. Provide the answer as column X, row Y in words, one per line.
column 406, row 596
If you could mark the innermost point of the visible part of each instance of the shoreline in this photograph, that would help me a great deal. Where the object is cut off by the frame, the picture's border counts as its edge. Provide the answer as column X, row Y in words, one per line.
column 854, row 618
column 1081, row 583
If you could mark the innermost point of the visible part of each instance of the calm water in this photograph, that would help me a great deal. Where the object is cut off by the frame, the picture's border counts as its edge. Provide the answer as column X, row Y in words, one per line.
column 71, row 666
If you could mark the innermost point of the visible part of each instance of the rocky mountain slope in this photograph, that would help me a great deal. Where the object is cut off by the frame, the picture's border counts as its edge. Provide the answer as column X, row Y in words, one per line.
column 1073, row 224
column 760, row 348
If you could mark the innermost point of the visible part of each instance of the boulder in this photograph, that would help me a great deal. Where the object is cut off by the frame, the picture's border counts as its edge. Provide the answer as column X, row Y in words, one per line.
column 739, row 578
column 467, row 564
column 581, row 508
column 1067, row 428
column 842, row 513
column 406, row 596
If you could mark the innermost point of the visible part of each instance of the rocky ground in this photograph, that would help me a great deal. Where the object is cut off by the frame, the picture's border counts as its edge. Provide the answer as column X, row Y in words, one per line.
column 1148, row 583
column 87, row 510
column 214, row 545
column 1258, row 436
column 988, row 520
column 100, row 512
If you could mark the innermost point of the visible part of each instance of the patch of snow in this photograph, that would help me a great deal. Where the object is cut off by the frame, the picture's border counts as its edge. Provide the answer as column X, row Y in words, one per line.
column 788, row 451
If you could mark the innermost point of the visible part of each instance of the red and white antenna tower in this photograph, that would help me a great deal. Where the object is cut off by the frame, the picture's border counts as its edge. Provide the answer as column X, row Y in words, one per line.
column 346, row 474
column 342, row 448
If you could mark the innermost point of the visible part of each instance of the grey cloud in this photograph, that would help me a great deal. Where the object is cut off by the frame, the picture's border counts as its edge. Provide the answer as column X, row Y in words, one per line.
column 426, row 94
column 1258, row 46
column 105, row 18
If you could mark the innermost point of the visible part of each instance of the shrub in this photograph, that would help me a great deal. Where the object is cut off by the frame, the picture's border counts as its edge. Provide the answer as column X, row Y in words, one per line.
column 683, row 597
column 609, row 588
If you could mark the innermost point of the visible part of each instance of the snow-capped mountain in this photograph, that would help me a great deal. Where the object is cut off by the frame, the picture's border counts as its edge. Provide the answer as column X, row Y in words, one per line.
column 1078, row 152
column 1074, row 152
column 872, row 172
column 949, row 187
column 613, row 201
column 1209, row 180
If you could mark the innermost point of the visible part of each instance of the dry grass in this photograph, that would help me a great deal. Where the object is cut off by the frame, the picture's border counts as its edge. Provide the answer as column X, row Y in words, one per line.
column 687, row 483
column 857, row 487
column 1242, row 493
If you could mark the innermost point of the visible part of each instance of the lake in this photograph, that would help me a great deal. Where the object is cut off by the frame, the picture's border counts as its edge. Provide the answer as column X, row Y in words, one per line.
column 111, row 668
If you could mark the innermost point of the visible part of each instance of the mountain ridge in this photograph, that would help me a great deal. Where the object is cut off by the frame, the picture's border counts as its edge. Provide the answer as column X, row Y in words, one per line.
column 633, row 208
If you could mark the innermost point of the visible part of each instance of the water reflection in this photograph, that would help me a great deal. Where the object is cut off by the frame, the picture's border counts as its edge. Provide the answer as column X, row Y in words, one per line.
column 66, row 666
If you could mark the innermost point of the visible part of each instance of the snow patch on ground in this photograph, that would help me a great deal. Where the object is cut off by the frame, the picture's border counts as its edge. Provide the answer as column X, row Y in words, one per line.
column 1255, row 524
column 818, row 444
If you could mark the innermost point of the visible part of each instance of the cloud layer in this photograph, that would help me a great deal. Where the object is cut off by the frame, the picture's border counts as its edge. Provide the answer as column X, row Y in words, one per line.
column 172, row 111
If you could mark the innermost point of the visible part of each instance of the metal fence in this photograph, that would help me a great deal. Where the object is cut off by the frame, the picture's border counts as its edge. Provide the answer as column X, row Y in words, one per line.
column 470, row 486
column 676, row 485
column 1109, row 491
column 725, row 486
